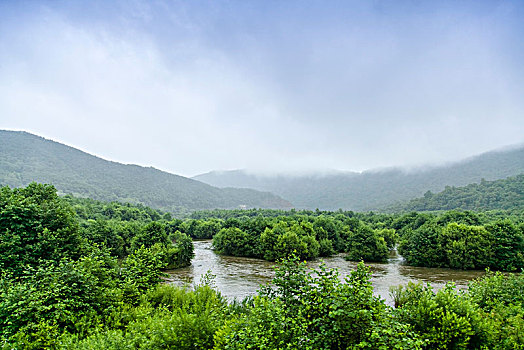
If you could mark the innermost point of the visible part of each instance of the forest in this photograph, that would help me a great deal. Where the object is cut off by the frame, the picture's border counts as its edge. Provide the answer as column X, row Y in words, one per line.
column 453, row 239
column 486, row 195
column 83, row 274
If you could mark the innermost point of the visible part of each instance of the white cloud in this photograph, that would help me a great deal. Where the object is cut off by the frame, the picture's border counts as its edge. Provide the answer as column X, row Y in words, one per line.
column 188, row 96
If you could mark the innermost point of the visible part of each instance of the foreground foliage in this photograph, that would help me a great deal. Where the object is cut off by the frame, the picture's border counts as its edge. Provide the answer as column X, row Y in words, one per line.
column 315, row 310
column 55, row 277
column 101, row 294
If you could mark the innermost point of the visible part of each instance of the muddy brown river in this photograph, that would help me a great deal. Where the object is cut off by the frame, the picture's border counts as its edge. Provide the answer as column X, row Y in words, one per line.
column 237, row 278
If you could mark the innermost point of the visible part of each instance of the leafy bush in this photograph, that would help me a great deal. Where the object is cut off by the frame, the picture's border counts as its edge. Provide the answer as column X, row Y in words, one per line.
column 390, row 236
column 465, row 247
column 35, row 225
column 507, row 245
column 314, row 310
column 421, row 247
column 496, row 289
column 502, row 298
column 325, row 247
column 441, row 243
column 446, row 320
column 141, row 271
column 169, row 317
column 70, row 296
column 233, row 241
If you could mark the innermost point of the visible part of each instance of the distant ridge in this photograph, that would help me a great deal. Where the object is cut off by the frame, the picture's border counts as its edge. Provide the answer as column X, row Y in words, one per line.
column 25, row 157
column 377, row 189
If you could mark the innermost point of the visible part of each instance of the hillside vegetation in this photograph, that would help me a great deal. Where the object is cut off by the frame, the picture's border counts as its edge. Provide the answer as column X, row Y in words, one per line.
column 486, row 195
column 25, row 158
column 372, row 190
column 68, row 281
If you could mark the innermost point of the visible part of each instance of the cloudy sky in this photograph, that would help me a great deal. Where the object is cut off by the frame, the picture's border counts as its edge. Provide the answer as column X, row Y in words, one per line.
column 272, row 86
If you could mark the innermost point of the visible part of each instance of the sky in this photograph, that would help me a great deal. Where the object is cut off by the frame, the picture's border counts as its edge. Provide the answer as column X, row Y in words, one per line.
column 269, row 86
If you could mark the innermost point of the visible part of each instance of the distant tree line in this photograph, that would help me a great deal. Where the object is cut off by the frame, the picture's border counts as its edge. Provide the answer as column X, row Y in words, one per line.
column 307, row 236
column 455, row 239
column 486, row 195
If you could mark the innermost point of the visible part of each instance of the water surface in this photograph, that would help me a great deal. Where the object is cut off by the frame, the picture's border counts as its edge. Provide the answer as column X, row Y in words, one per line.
column 237, row 277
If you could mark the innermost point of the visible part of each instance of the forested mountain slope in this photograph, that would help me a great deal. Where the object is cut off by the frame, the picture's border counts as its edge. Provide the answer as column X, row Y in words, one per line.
column 486, row 195
column 25, row 158
column 372, row 190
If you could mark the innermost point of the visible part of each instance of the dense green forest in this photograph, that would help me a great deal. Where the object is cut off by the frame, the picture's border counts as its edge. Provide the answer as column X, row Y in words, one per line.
column 25, row 158
column 455, row 239
column 486, row 195
column 373, row 190
column 82, row 274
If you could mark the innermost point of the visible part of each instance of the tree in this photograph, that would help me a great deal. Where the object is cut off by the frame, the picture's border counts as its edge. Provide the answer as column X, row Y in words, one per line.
column 35, row 225
column 446, row 320
column 421, row 247
column 296, row 239
column 56, row 297
column 507, row 246
column 154, row 232
column 100, row 231
column 365, row 244
column 465, row 246
column 233, row 241
column 184, row 249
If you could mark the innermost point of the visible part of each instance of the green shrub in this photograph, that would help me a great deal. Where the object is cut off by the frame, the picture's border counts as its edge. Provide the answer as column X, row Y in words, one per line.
column 364, row 244
column 35, row 226
column 446, row 320
column 507, row 244
column 141, row 271
column 314, row 310
column 233, row 241
column 325, row 247
column 421, row 247
column 72, row 296
column 465, row 247
column 168, row 318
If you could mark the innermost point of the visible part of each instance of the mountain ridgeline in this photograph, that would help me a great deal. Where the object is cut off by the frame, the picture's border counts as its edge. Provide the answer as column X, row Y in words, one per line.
column 486, row 195
column 25, row 158
column 372, row 190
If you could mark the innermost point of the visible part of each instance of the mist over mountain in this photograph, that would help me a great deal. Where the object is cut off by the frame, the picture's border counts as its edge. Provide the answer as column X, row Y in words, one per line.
column 374, row 189
column 25, row 157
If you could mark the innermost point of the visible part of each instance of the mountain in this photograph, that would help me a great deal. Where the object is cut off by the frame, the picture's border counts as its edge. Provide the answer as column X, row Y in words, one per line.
column 486, row 195
column 25, row 157
column 372, row 190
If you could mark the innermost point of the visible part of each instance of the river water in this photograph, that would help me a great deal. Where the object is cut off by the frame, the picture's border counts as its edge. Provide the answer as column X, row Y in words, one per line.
column 237, row 278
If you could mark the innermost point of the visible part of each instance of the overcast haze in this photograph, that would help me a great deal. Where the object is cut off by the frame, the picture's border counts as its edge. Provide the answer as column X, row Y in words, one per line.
column 273, row 86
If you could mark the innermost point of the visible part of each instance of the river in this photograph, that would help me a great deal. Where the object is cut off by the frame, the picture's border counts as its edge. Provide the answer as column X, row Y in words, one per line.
column 237, row 278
